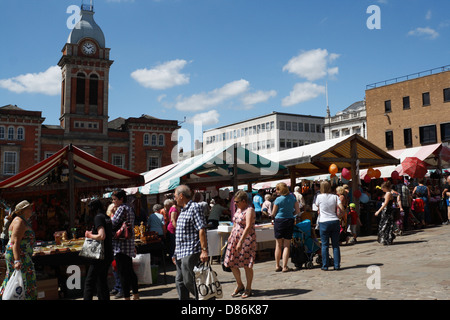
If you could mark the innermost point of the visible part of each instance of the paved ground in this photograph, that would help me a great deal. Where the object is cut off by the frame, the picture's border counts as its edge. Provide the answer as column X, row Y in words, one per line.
column 415, row 267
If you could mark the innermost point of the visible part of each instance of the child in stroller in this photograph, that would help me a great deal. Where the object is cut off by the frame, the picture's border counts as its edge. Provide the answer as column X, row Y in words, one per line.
column 304, row 247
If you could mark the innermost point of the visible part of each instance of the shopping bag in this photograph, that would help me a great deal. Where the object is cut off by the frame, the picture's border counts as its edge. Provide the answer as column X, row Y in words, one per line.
column 208, row 285
column 92, row 249
column 143, row 268
column 14, row 289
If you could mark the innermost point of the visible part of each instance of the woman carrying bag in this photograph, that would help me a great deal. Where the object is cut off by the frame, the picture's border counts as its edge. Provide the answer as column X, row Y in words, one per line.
column 19, row 251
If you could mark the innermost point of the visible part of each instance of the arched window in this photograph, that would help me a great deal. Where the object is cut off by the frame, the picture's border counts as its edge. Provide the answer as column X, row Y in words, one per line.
column 93, row 90
column 153, row 139
column 81, row 88
column 161, row 140
column 146, row 139
column 20, row 133
column 11, row 133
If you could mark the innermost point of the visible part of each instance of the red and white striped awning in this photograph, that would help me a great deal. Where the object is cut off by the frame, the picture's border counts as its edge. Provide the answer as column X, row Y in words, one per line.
column 86, row 168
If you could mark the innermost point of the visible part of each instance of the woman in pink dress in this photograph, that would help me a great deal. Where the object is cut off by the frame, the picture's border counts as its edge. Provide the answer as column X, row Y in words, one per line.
column 241, row 249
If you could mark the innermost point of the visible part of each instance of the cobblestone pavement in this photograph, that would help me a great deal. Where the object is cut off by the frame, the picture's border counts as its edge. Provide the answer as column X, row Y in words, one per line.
column 415, row 267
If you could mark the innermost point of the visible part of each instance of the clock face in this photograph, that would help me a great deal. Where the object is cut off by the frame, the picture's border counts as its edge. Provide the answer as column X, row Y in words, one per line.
column 88, row 48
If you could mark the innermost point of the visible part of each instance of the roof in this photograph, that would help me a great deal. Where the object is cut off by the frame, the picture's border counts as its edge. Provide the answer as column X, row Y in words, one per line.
column 87, row 28
column 430, row 154
column 216, row 168
column 89, row 172
column 315, row 158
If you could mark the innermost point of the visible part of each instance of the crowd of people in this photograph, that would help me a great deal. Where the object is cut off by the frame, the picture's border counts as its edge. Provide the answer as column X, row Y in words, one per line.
column 183, row 219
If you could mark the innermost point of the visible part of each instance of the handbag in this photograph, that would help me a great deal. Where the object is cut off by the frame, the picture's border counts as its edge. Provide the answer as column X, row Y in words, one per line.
column 224, row 251
column 92, row 249
column 14, row 289
column 124, row 232
column 207, row 283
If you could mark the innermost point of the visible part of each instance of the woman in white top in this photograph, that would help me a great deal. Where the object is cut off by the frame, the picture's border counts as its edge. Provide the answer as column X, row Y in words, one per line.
column 330, row 208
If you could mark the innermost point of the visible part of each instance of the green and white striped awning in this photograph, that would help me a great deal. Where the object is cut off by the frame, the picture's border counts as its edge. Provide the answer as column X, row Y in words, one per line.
column 215, row 168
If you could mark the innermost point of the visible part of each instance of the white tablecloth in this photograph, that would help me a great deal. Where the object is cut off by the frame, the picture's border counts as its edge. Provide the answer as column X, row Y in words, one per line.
column 216, row 239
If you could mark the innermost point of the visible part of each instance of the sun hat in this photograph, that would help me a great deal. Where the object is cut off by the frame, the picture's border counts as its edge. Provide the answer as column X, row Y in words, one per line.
column 352, row 205
column 22, row 206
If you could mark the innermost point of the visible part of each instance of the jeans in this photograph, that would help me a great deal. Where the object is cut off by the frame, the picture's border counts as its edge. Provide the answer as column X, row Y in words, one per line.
column 185, row 278
column 128, row 278
column 330, row 229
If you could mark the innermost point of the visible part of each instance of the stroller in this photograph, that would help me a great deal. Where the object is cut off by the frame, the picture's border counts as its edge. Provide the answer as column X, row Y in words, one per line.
column 304, row 247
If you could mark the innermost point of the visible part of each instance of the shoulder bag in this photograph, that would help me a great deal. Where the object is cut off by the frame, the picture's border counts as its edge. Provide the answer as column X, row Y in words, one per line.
column 92, row 249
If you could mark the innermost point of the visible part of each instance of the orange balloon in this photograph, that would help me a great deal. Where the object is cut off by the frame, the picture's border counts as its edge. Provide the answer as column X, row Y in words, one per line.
column 371, row 172
column 377, row 174
column 333, row 169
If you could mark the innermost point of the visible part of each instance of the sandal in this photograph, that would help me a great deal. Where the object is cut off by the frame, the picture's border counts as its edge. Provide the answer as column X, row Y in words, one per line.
column 238, row 291
column 246, row 294
column 278, row 269
column 287, row 269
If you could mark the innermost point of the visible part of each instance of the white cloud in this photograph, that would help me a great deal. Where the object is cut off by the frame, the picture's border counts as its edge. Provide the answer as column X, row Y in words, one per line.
column 47, row 82
column 258, row 97
column 424, row 32
column 302, row 92
column 206, row 118
column 163, row 76
column 312, row 65
column 428, row 15
column 202, row 101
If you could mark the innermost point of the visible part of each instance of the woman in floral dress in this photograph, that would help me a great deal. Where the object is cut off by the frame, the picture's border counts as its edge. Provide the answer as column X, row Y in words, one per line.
column 19, row 250
column 241, row 249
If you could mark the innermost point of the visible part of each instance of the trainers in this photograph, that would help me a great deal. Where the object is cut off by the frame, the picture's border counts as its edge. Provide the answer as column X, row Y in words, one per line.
column 445, row 223
column 119, row 295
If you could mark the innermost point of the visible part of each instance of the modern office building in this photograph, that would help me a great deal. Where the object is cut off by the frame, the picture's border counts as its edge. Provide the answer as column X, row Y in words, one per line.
column 349, row 121
column 268, row 133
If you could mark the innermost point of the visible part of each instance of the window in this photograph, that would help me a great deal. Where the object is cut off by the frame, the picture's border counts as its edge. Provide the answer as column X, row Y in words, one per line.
column 118, row 160
column 428, row 134
column 288, row 126
column 9, row 163
column 312, row 127
column 153, row 139
column 300, row 126
column 406, row 104
column 425, row 99
column 93, row 90
column 445, row 131
column 147, row 139
column 294, row 126
column 161, row 140
column 10, row 133
column 20, row 133
column 81, row 89
column 407, row 137
column 389, row 140
column 447, row 95
column 306, row 127
column 2, row 133
column 387, row 106
column 282, row 143
column 282, row 125
column 153, row 162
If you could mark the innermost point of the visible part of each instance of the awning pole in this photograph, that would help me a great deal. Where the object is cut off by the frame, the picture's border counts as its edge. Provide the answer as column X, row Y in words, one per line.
column 71, row 189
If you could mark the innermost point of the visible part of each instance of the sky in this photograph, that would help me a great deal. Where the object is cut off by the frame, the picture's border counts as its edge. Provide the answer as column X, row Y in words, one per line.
column 211, row 63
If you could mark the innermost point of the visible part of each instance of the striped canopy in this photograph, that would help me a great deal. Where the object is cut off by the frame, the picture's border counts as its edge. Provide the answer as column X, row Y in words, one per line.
column 216, row 168
column 88, row 172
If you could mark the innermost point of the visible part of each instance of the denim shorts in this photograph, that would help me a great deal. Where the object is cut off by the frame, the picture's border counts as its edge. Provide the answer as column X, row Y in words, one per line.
column 283, row 228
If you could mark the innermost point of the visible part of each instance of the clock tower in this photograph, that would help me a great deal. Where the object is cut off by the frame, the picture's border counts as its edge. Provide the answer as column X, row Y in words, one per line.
column 85, row 68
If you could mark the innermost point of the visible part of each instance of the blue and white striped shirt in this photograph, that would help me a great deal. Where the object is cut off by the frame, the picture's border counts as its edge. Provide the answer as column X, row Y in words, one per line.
column 189, row 223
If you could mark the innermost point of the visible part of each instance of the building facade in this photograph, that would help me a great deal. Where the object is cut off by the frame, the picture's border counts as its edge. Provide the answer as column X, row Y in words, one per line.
column 268, row 133
column 410, row 111
column 347, row 122
column 136, row 144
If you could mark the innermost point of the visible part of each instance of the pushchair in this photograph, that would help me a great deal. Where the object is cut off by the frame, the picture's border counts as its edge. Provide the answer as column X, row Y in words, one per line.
column 304, row 247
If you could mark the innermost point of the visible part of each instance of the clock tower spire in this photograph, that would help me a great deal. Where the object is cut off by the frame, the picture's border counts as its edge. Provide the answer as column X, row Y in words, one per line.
column 85, row 68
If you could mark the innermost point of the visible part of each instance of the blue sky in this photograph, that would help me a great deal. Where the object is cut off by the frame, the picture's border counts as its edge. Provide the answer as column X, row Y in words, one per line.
column 224, row 61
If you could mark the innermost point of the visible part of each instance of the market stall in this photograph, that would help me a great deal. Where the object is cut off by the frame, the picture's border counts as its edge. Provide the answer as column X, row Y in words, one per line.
column 60, row 188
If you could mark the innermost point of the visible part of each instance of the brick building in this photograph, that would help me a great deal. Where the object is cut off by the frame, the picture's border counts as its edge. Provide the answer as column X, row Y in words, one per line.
column 137, row 144
column 410, row 111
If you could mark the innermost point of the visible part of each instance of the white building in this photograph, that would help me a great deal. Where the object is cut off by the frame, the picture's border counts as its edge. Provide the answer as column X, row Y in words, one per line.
column 267, row 134
column 347, row 122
